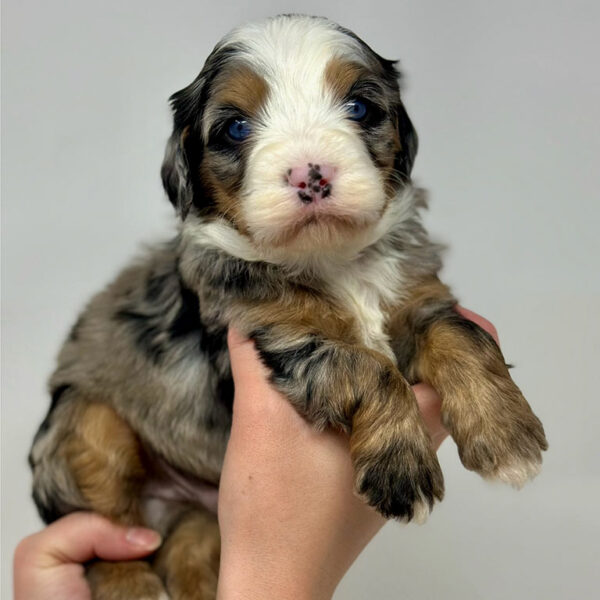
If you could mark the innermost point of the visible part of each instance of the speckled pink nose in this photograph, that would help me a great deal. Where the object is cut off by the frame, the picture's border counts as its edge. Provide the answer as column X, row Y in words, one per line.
column 312, row 181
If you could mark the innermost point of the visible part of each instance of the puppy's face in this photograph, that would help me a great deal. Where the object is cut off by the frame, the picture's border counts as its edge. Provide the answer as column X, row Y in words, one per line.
column 293, row 134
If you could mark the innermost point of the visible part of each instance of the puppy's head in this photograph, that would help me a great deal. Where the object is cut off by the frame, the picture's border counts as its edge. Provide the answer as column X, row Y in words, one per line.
column 293, row 135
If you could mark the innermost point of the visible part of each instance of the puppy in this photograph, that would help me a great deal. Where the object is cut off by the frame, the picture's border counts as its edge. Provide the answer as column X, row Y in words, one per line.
column 289, row 167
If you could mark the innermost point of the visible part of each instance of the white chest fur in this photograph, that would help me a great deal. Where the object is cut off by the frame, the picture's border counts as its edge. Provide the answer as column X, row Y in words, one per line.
column 363, row 280
column 364, row 288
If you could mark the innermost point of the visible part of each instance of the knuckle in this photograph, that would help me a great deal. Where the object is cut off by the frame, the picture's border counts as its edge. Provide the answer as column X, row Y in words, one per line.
column 25, row 550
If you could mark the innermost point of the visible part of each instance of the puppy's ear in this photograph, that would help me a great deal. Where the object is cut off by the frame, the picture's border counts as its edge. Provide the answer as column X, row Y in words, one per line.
column 407, row 136
column 187, row 105
column 409, row 144
column 175, row 175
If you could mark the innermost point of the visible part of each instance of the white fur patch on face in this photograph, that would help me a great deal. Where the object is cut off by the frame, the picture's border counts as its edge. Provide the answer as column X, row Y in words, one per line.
column 303, row 122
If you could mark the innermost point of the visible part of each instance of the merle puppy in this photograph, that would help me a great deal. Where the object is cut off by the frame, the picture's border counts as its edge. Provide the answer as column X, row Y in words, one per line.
column 289, row 167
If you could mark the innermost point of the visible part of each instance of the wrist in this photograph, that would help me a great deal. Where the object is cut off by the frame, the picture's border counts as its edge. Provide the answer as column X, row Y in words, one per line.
column 250, row 577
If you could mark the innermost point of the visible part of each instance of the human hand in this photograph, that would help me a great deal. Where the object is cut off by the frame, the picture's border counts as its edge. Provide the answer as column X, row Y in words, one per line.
column 48, row 564
column 286, row 505
column 291, row 525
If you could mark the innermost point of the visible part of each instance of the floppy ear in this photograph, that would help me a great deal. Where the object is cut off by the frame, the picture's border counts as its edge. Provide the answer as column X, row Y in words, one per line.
column 407, row 136
column 184, row 150
column 409, row 143
column 175, row 175
column 187, row 105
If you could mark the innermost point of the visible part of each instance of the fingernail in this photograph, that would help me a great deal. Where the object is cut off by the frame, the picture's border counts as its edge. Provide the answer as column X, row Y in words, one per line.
column 143, row 538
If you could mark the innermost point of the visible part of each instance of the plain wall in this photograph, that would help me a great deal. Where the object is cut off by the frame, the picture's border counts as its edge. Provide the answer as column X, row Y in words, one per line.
column 505, row 96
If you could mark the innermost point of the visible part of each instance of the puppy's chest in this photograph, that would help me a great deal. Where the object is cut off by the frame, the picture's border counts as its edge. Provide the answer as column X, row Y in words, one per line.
column 368, row 293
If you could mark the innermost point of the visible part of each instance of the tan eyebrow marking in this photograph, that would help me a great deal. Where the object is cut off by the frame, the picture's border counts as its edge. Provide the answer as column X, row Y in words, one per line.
column 243, row 88
column 341, row 75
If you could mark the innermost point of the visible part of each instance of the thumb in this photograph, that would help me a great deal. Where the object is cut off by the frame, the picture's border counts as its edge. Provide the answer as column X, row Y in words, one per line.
column 81, row 536
column 479, row 320
column 245, row 363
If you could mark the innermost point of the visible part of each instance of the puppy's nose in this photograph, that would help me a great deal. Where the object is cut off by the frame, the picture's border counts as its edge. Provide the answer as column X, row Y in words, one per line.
column 312, row 181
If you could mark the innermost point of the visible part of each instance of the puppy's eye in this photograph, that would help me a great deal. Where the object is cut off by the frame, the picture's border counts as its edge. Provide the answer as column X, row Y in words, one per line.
column 238, row 129
column 356, row 109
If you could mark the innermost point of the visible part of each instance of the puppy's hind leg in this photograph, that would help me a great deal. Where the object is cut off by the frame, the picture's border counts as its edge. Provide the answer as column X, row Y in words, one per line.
column 124, row 580
column 87, row 458
column 104, row 456
column 188, row 561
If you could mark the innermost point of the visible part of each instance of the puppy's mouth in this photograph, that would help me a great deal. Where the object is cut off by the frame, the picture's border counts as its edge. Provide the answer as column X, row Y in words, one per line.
column 316, row 218
column 320, row 211
column 320, row 223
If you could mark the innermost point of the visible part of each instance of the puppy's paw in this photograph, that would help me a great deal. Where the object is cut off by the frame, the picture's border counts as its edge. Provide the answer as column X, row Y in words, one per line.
column 192, row 583
column 401, row 480
column 132, row 580
column 505, row 443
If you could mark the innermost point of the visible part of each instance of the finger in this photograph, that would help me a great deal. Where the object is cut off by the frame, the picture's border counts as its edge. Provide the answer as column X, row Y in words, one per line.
column 430, row 405
column 235, row 339
column 82, row 536
column 245, row 362
column 479, row 320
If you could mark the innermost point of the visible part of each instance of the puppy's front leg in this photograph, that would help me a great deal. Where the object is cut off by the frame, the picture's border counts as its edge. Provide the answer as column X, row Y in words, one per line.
column 495, row 429
column 360, row 391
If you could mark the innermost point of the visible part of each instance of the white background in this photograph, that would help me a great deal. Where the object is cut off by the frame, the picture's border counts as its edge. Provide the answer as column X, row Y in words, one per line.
column 505, row 96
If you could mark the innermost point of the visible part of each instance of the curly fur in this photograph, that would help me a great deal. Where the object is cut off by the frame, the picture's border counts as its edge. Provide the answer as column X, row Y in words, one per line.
column 341, row 297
